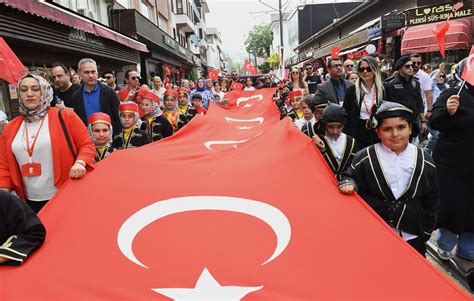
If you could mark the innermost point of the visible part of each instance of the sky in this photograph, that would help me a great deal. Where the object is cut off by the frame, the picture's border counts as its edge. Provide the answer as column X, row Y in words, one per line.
column 235, row 18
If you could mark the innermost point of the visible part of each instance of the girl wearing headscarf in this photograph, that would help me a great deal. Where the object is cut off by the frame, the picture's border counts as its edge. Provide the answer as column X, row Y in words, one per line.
column 171, row 112
column 202, row 90
column 183, row 104
column 100, row 129
column 131, row 135
column 154, row 123
column 396, row 178
column 36, row 158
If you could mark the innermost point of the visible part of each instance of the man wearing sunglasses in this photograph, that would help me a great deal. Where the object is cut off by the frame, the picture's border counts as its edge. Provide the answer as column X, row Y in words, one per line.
column 403, row 88
column 348, row 66
column 312, row 78
column 111, row 80
column 133, row 85
column 425, row 83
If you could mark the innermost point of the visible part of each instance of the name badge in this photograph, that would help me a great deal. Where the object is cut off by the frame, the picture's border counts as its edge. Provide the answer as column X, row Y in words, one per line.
column 31, row 169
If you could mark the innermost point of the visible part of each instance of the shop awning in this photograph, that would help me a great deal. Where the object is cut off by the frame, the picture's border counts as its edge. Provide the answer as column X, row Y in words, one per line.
column 64, row 17
column 353, row 50
column 420, row 39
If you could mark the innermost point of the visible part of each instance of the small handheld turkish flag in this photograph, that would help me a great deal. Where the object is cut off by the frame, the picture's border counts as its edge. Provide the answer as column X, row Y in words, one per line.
column 214, row 74
column 335, row 52
column 440, row 33
column 11, row 67
column 236, row 86
column 167, row 71
column 468, row 72
column 253, row 69
column 246, row 65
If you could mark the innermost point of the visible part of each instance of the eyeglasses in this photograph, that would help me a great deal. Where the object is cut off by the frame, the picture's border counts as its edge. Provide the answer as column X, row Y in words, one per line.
column 363, row 69
column 349, row 66
column 295, row 72
column 408, row 66
column 134, row 77
column 442, row 76
column 417, row 63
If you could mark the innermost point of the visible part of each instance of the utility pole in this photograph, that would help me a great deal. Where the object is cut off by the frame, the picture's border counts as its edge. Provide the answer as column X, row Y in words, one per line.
column 282, row 63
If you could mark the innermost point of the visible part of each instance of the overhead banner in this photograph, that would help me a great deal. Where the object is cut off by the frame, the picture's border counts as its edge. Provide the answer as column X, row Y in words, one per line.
column 238, row 205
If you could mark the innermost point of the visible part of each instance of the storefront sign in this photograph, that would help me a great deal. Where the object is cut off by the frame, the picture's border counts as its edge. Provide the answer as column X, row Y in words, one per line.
column 13, row 92
column 353, row 40
column 169, row 41
column 85, row 38
column 392, row 22
column 374, row 31
column 182, row 50
column 436, row 13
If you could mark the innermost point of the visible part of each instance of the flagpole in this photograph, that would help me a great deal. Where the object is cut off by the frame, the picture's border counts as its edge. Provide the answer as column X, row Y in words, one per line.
column 462, row 86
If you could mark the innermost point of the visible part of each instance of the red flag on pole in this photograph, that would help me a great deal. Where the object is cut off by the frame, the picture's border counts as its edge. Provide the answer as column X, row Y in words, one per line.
column 335, row 52
column 243, row 236
column 468, row 72
column 11, row 68
column 246, row 65
column 440, row 33
column 213, row 74
column 253, row 69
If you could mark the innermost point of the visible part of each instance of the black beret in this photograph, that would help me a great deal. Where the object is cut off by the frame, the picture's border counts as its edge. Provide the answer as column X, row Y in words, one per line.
column 334, row 113
column 401, row 61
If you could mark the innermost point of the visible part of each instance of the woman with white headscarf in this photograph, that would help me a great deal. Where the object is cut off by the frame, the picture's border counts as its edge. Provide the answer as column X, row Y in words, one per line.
column 38, row 152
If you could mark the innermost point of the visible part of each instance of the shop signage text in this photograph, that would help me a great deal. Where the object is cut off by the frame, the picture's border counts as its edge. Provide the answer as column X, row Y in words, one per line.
column 374, row 31
column 392, row 22
column 85, row 38
column 437, row 13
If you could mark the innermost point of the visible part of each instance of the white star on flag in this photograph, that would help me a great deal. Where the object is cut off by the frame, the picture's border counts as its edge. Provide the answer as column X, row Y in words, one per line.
column 207, row 288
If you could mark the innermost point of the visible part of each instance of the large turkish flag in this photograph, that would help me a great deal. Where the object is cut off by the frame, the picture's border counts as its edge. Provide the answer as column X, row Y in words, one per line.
column 11, row 68
column 236, row 205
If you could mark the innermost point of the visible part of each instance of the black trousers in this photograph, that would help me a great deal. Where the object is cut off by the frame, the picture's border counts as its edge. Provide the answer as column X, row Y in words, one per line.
column 418, row 244
column 36, row 205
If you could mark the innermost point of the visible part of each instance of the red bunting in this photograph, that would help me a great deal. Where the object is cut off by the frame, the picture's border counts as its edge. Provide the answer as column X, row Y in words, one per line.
column 236, row 86
column 468, row 72
column 213, row 74
column 11, row 68
column 335, row 52
column 440, row 33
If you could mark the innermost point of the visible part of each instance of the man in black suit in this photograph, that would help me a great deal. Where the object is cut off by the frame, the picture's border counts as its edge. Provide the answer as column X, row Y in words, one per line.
column 95, row 97
column 335, row 88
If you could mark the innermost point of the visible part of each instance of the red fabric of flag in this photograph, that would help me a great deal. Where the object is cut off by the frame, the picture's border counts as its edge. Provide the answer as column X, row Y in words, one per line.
column 468, row 72
column 235, row 221
column 335, row 52
column 11, row 68
column 440, row 33
column 213, row 74
column 246, row 65
column 253, row 69
column 236, row 86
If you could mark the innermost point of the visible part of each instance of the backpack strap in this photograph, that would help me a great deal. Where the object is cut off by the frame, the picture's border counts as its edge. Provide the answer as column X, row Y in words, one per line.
column 66, row 134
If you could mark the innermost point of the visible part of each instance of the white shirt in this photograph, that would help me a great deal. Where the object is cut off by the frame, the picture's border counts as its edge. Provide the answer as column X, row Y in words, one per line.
column 425, row 84
column 251, row 88
column 160, row 93
column 302, row 121
column 367, row 103
column 337, row 146
column 398, row 170
column 38, row 188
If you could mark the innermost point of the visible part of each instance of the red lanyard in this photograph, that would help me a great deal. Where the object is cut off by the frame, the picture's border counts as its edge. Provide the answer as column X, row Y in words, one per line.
column 28, row 149
column 372, row 105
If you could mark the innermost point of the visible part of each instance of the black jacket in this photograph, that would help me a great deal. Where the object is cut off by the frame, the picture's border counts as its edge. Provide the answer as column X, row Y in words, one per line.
column 416, row 210
column 327, row 91
column 405, row 92
column 109, row 103
column 21, row 231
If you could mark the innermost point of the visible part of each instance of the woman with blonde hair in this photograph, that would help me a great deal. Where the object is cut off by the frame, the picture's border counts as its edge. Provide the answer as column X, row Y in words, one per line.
column 363, row 98
column 297, row 81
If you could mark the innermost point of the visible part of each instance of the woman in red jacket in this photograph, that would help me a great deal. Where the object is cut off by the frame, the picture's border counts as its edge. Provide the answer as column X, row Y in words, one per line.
column 35, row 156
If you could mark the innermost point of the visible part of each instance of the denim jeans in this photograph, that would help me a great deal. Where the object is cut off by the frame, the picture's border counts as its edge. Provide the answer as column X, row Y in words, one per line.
column 465, row 241
column 431, row 142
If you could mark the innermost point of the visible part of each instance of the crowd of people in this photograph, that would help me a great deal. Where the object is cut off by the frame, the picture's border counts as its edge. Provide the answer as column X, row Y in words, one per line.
column 371, row 128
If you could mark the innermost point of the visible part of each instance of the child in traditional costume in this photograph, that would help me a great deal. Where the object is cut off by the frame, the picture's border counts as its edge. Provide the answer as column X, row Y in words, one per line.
column 154, row 123
column 171, row 112
column 131, row 136
column 396, row 178
column 337, row 148
column 317, row 106
column 100, row 129
column 197, row 104
column 183, row 104
column 307, row 109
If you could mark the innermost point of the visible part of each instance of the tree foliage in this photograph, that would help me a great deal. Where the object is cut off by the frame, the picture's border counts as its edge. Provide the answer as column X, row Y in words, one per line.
column 274, row 60
column 264, row 68
column 259, row 40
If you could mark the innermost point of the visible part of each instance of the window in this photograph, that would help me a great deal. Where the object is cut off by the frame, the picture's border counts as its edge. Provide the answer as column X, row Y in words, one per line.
column 124, row 3
column 145, row 9
column 174, row 33
column 161, row 22
column 179, row 6
column 200, row 33
column 172, row 6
